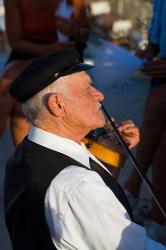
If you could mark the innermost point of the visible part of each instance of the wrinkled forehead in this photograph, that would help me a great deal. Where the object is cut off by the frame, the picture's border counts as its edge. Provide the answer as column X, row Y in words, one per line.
column 77, row 83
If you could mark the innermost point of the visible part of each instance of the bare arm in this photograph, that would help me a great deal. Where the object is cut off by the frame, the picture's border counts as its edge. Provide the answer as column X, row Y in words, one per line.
column 155, row 68
column 81, row 18
column 15, row 34
column 76, row 27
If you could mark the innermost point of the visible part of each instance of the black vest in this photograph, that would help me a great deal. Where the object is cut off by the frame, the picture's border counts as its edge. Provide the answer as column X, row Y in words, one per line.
column 28, row 175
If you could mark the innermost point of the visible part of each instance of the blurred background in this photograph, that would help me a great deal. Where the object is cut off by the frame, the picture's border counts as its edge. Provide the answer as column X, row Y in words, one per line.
column 123, row 23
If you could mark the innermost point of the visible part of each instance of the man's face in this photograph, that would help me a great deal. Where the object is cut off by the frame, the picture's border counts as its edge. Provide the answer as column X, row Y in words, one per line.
column 83, row 106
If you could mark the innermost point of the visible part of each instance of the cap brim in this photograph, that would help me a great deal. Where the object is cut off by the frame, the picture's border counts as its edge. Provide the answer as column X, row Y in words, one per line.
column 82, row 67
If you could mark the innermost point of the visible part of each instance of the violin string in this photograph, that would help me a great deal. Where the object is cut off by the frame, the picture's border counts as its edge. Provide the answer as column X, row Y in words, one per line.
column 135, row 164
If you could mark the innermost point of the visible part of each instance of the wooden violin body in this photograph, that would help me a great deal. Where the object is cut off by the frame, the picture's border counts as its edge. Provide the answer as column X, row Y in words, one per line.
column 106, row 149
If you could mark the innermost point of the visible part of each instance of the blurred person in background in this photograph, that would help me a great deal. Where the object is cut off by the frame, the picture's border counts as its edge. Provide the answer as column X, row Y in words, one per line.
column 32, row 30
column 152, row 147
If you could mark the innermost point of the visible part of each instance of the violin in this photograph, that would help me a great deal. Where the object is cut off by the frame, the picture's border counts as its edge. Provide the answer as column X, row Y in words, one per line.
column 103, row 144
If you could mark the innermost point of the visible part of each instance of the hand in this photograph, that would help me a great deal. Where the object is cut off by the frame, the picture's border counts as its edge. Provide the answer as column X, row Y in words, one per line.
column 142, row 53
column 146, row 53
column 58, row 46
column 68, row 27
column 129, row 132
column 156, row 68
column 149, row 52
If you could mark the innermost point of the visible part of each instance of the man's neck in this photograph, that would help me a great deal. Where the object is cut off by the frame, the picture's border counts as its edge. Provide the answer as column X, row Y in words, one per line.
column 73, row 134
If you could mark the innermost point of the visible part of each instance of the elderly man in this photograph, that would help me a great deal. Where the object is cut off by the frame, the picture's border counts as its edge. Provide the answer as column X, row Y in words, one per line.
column 57, row 194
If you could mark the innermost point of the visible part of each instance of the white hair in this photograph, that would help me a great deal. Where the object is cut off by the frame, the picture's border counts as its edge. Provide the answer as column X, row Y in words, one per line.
column 36, row 105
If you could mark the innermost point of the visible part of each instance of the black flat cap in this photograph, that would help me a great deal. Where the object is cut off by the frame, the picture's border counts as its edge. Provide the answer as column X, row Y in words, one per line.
column 44, row 71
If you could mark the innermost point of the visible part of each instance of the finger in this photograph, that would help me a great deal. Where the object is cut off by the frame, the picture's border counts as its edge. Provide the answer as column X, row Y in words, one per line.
column 153, row 69
column 159, row 73
column 134, row 131
column 125, row 125
column 126, row 122
column 157, row 64
column 62, row 19
column 131, row 142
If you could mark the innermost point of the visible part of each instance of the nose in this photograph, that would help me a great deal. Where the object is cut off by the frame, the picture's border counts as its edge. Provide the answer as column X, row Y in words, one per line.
column 98, row 94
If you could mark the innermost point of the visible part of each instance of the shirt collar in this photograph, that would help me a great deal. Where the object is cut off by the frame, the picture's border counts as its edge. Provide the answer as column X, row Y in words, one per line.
column 61, row 145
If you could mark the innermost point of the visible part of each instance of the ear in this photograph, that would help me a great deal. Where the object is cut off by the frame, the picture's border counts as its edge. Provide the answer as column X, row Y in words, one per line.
column 56, row 104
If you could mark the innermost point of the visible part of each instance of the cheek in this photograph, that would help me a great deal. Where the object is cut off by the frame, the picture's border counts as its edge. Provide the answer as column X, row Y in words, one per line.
column 78, row 114
column 100, row 118
column 85, row 111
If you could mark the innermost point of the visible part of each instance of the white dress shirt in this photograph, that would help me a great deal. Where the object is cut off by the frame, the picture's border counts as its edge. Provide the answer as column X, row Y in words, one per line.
column 81, row 211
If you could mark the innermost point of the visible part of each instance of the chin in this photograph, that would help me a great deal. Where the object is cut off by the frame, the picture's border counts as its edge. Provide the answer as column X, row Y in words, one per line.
column 100, row 124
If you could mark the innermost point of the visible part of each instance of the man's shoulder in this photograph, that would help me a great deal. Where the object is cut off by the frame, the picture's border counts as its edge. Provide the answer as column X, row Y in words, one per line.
column 72, row 177
column 70, row 186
